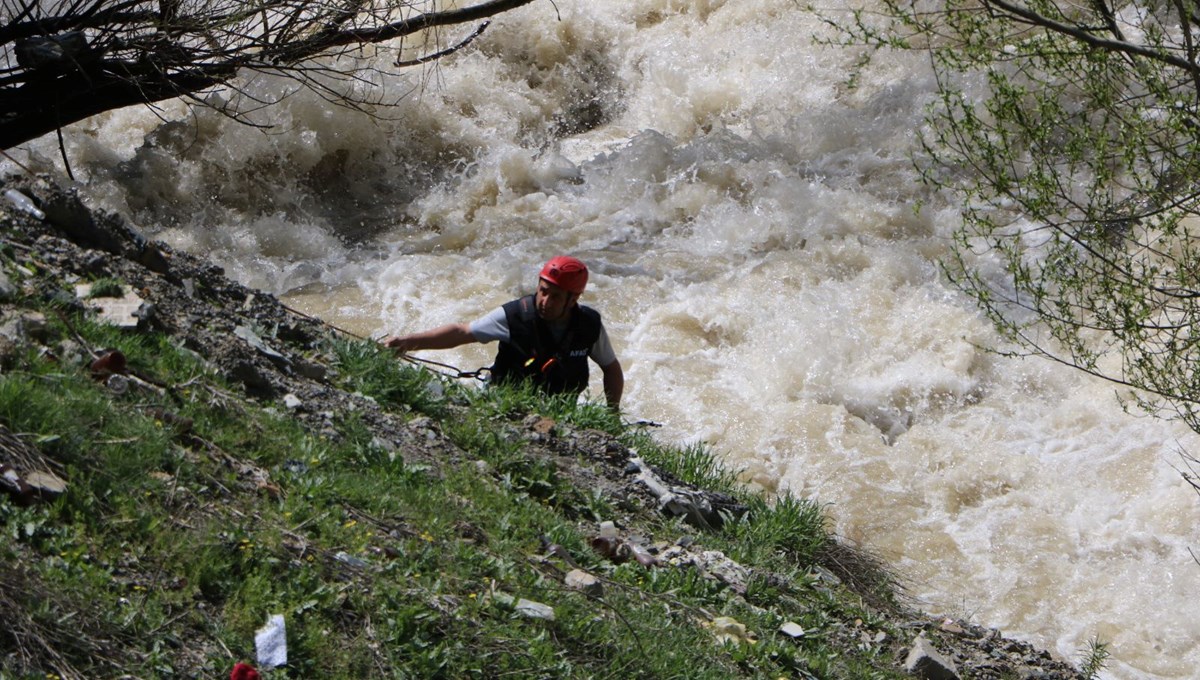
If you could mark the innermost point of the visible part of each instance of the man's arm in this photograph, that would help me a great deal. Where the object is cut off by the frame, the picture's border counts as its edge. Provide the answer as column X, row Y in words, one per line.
column 442, row 337
column 614, row 384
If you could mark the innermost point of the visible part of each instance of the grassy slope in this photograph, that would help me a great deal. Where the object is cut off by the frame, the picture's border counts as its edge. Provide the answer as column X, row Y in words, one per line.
column 193, row 513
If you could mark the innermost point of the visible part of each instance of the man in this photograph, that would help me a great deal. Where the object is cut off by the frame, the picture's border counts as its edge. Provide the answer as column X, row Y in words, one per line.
column 546, row 338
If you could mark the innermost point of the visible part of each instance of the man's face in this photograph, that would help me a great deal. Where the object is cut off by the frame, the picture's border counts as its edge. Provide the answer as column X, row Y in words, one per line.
column 553, row 303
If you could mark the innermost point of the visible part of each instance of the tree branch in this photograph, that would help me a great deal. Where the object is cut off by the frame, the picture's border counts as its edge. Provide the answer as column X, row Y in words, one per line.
column 89, row 58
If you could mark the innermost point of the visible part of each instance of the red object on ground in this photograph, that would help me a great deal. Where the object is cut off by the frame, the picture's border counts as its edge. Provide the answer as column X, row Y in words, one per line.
column 112, row 361
column 243, row 671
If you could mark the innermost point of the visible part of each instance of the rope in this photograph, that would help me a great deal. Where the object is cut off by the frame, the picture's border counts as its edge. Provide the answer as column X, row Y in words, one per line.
column 456, row 372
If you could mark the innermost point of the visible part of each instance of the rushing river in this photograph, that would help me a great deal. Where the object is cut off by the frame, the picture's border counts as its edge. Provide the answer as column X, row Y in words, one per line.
column 768, row 280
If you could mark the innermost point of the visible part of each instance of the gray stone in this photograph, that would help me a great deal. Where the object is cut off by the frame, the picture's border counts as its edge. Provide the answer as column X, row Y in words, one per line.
column 7, row 290
column 792, row 629
column 534, row 610
column 578, row 579
column 121, row 312
column 310, row 370
column 925, row 662
column 24, row 328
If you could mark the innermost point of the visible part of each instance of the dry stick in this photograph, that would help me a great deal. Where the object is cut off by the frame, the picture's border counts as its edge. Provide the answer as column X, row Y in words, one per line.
column 16, row 163
column 449, row 50
column 62, row 149
column 71, row 327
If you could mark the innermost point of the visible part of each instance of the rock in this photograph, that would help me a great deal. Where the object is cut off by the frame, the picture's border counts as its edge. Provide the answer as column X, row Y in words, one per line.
column 254, row 380
column 346, row 558
column 12, row 484
column 36, row 485
column 46, row 485
column 257, row 343
column 714, row 563
column 7, row 290
column 578, row 579
column 925, row 662
column 729, row 630
column 792, row 629
column 950, row 626
column 66, row 211
column 534, row 610
column 25, row 327
column 311, row 370
column 121, row 312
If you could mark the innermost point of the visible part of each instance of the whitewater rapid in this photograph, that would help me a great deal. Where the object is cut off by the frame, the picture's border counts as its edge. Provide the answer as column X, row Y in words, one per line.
column 766, row 261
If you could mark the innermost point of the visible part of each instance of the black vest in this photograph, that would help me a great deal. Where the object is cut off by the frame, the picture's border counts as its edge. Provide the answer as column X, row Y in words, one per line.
column 531, row 352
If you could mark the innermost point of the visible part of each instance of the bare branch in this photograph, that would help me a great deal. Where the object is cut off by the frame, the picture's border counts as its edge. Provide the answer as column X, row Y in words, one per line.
column 63, row 63
column 1088, row 37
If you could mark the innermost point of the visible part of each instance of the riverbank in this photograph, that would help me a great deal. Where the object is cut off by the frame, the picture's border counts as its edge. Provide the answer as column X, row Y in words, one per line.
column 206, row 458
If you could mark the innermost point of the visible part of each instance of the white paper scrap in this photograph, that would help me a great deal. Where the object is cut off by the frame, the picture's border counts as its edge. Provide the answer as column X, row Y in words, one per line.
column 271, row 643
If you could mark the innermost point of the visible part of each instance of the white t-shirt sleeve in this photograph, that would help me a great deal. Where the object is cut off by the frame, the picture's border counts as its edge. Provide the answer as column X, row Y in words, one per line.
column 491, row 327
column 602, row 351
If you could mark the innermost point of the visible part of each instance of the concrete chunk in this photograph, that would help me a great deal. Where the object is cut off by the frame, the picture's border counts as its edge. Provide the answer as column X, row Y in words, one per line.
column 925, row 662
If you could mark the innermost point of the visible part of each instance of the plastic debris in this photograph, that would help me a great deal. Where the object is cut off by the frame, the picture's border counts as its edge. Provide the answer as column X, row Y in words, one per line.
column 243, row 671
column 108, row 363
column 117, row 384
column 694, row 506
column 271, row 643
column 23, row 203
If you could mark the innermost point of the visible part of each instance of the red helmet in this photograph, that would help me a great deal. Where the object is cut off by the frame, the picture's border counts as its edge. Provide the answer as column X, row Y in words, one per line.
column 567, row 273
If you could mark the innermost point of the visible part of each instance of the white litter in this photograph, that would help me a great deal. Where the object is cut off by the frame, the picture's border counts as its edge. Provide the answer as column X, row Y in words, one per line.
column 271, row 643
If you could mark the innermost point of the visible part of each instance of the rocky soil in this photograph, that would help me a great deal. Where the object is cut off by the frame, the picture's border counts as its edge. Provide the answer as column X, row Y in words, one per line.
column 276, row 355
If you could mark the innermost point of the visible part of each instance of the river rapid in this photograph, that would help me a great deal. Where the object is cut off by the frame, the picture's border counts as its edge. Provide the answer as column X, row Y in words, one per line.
column 766, row 261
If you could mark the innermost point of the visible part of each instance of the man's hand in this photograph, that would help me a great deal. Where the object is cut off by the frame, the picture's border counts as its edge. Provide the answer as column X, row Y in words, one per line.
column 397, row 343
column 614, row 385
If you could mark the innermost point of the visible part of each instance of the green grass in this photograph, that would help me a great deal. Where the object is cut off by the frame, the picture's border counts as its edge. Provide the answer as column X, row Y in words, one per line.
column 170, row 549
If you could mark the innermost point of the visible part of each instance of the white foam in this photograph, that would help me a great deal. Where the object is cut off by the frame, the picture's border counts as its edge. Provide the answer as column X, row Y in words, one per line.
column 766, row 280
